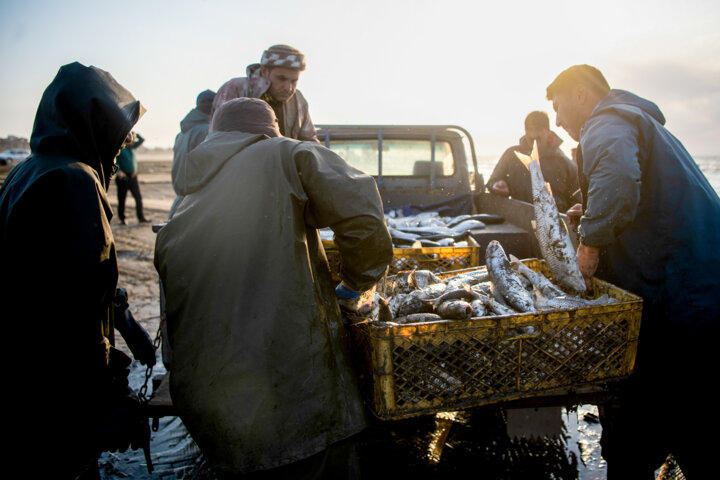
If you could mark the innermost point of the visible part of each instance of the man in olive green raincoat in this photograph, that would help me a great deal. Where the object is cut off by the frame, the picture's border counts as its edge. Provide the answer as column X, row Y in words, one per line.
column 261, row 376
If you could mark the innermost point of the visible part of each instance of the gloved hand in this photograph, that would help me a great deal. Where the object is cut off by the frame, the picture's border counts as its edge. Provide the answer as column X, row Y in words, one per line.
column 136, row 337
column 121, row 421
column 354, row 306
column 588, row 259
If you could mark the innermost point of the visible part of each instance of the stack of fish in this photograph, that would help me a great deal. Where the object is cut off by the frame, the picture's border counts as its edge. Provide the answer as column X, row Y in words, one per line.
column 429, row 229
column 503, row 287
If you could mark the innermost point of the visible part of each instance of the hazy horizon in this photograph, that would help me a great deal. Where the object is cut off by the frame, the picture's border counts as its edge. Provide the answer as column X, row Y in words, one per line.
column 479, row 65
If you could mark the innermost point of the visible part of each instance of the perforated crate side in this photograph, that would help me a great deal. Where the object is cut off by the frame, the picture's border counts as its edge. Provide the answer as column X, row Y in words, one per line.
column 416, row 369
column 435, row 259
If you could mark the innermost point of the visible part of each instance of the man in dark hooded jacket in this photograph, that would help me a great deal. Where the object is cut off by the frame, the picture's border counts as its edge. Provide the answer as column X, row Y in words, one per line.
column 650, row 224
column 59, row 270
column 193, row 130
column 261, row 376
column 511, row 178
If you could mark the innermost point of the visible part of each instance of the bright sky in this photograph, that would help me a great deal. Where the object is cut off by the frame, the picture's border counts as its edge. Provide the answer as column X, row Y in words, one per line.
column 481, row 65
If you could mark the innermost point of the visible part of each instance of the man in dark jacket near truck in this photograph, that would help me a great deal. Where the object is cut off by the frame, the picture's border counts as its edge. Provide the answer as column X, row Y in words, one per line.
column 650, row 224
column 261, row 376
column 71, row 398
column 511, row 178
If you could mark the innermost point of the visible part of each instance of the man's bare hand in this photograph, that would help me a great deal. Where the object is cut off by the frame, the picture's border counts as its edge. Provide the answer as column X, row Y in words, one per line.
column 574, row 214
column 588, row 259
column 501, row 188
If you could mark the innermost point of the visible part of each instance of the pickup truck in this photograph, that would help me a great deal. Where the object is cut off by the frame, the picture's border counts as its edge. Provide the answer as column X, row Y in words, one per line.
column 422, row 168
column 433, row 167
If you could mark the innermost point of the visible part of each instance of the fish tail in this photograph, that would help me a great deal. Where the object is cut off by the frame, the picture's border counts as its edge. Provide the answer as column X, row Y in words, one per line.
column 528, row 159
column 525, row 159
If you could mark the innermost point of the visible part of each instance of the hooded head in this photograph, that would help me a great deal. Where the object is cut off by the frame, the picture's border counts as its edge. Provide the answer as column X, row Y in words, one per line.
column 250, row 115
column 85, row 114
column 204, row 101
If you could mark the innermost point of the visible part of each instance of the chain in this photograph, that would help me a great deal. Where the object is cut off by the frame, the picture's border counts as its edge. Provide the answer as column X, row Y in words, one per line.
column 142, row 394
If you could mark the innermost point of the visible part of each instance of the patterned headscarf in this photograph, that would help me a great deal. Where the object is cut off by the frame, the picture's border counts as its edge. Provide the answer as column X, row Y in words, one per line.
column 283, row 56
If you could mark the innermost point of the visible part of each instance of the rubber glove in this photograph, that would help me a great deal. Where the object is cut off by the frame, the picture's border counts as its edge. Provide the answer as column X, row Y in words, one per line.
column 354, row 306
column 588, row 259
column 343, row 292
column 137, row 338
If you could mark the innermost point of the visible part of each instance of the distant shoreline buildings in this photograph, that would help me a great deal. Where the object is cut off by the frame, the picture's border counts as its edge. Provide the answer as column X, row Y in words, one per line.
column 13, row 142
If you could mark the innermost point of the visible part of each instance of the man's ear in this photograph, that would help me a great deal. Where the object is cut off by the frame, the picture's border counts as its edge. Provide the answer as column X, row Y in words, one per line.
column 581, row 94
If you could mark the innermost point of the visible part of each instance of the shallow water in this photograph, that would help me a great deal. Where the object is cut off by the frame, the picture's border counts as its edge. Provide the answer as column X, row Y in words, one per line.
column 477, row 441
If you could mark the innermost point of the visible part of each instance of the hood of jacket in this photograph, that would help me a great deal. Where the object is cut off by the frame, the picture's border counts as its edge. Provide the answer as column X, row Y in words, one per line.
column 85, row 114
column 194, row 118
column 622, row 99
column 205, row 160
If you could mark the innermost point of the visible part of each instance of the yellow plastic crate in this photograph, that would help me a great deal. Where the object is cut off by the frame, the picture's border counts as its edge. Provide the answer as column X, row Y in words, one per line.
column 435, row 259
column 417, row 369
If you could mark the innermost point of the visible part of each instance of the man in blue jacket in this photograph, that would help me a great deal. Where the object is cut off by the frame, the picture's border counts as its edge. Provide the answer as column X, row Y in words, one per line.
column 650, row 224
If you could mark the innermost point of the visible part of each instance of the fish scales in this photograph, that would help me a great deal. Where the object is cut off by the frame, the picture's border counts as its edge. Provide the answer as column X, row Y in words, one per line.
column 554, row 240
column 505, row 280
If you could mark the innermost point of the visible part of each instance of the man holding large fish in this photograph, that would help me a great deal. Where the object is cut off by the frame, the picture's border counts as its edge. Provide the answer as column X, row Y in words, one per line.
column 650, row 223
column 260, row 373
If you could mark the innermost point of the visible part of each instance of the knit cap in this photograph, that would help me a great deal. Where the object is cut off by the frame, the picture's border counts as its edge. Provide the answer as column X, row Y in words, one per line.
column 283, row 56
column 250, row 115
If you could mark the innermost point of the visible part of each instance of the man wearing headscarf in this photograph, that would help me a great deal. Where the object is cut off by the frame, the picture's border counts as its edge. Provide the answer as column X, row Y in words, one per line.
column 261, row 376
column 60, row 274
column 193, row 130
column 274, row 80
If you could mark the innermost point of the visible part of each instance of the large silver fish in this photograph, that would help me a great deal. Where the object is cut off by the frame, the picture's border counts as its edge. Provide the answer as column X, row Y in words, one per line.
column 567, row 301
column 537, row 279
column 551, row 232
column 505, row 280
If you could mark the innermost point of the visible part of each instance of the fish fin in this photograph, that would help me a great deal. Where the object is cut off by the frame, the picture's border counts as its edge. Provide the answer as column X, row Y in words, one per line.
column 533, row 224
column 549, row 189
column 525, row 159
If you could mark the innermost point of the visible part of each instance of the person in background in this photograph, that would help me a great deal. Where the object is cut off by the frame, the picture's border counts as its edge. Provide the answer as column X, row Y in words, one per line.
column 127, row 179
column 274, row 80
column 261, row 375
column 511, row 178
column 58, row 295
column 649, row 223
column 193, row 130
